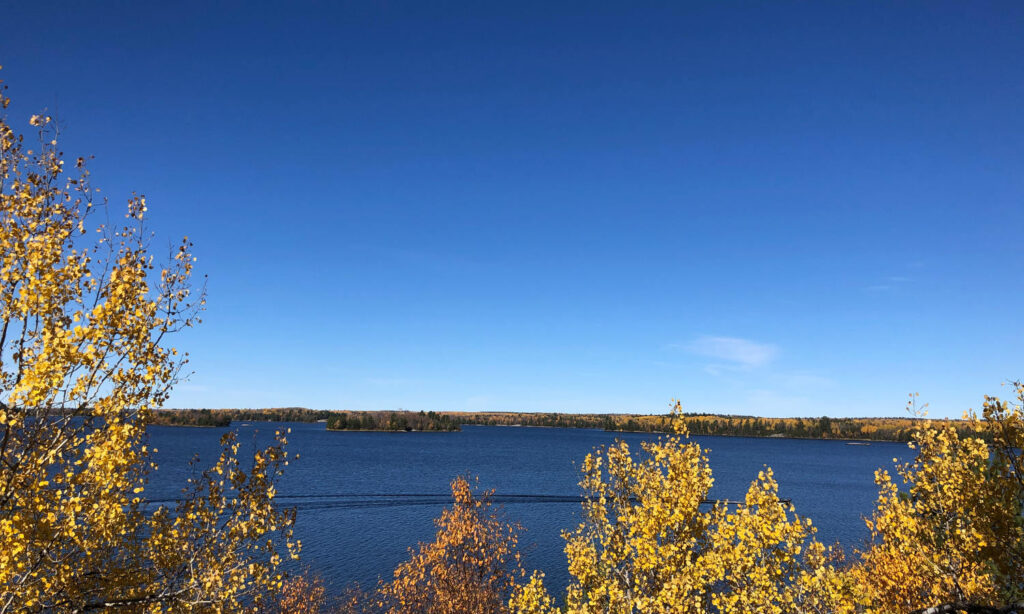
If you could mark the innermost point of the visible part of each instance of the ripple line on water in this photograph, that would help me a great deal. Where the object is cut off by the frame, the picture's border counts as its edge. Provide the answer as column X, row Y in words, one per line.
column 364, row 500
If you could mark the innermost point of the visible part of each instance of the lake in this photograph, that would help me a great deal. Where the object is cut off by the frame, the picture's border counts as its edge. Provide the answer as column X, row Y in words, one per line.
column 358, row 539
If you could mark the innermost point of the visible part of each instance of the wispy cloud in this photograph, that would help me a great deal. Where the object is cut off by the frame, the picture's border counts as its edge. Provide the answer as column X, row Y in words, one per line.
column 393, row 381
column 889, row 283
column 737, row 352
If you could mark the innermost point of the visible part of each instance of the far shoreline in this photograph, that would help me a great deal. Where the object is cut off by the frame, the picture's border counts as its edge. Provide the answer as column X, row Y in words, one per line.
column 730, row 426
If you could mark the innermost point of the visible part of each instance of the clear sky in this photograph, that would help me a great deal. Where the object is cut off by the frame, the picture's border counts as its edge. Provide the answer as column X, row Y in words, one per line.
column 767, row 208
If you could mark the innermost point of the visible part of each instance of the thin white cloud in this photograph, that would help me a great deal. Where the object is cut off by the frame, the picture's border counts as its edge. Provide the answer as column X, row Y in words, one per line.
column 393, row 381
column 890, row 283
column 738, row 352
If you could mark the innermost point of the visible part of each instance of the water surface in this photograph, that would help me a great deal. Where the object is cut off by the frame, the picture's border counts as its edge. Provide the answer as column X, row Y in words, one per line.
column 358, row 539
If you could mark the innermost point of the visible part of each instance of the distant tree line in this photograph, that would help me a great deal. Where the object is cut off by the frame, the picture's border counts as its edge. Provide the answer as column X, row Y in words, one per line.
column 336, row 420
column 190, row 417
column 551, row 419
column 875, row 429
column 224, row 417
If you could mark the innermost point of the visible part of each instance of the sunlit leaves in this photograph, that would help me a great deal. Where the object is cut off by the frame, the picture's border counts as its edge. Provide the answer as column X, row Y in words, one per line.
column 85, row 311
column 950, row 530
column 649, row 543
column 470, row 568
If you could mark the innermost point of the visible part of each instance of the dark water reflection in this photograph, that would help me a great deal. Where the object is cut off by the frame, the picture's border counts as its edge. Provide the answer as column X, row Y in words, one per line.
column 364, row 498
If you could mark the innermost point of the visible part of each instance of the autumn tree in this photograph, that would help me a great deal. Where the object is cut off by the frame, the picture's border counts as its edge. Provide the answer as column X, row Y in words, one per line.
column 650, row 542
column 85, row 315
column 949, row 534
column 470, row 568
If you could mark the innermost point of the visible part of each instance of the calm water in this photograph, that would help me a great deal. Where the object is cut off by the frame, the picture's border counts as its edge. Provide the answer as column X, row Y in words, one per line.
column 359, row 539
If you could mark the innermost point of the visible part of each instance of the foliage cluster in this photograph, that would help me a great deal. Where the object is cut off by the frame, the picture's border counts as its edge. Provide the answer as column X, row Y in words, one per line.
column 85, row 314
column 470, row 568
column 646, row 542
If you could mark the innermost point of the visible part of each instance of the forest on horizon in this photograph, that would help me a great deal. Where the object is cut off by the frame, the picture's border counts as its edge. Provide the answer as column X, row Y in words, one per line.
column 874, row 429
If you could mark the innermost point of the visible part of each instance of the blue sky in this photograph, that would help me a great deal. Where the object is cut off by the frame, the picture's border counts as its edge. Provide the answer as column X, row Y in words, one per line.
column 765, row 208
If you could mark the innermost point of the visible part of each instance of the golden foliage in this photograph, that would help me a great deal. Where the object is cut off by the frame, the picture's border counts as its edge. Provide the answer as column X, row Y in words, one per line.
column 470, row 568
column 302, row 594
column 84, row 316
column 354, row 600
column 955, row 533
column 648, row 543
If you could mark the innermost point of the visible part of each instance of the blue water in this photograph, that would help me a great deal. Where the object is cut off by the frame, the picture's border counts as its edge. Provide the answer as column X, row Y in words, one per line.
column 360, row 539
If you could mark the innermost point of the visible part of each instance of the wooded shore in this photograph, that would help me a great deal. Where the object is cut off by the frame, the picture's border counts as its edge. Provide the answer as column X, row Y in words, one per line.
column 865, row 429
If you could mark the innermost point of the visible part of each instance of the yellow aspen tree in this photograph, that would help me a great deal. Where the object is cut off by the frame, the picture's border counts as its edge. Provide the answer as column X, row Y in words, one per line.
column 649, row 542
column 644, row 540
column 1003, row 423
column 470, row 568
column 952, row 535
column 85, row 314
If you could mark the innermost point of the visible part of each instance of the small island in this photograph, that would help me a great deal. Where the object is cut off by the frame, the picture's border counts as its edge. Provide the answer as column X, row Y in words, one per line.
column 391, row 421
